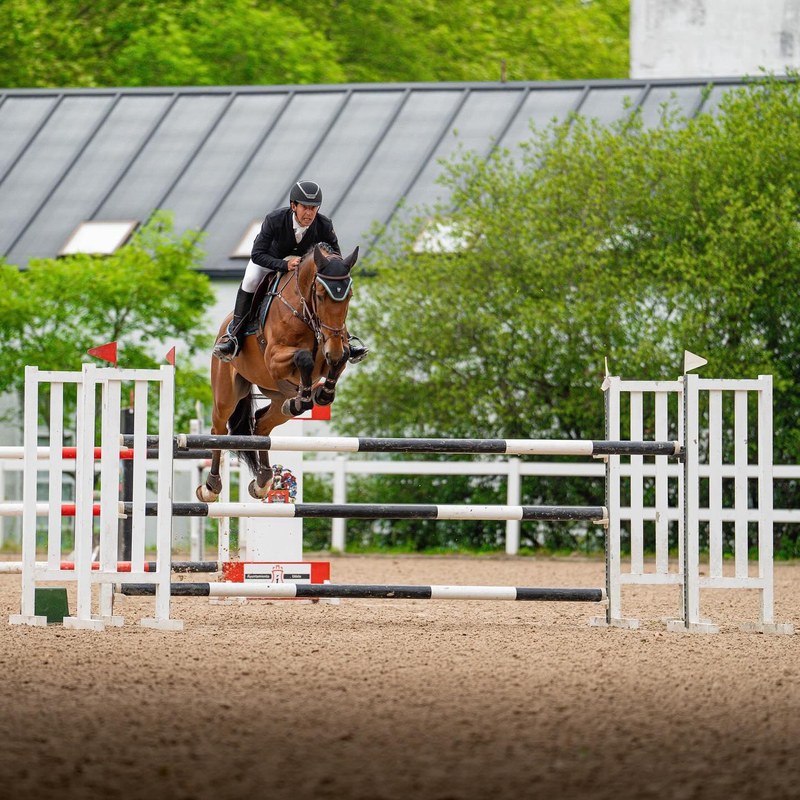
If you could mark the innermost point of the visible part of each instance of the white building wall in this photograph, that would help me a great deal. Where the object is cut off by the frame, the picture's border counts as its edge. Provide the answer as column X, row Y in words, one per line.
column 713, row 38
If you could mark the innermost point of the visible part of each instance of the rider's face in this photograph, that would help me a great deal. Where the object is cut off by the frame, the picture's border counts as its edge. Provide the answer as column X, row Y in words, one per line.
column 305, row 214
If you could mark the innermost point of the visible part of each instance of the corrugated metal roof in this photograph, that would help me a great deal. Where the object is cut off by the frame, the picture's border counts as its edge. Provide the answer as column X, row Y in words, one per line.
column 220, row 158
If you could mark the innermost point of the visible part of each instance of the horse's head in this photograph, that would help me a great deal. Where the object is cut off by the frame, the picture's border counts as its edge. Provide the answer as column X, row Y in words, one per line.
column 331, row 292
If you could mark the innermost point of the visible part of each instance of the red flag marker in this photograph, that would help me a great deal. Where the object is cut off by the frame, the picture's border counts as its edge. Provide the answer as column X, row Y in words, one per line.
column 171, row 356
column 106, row 352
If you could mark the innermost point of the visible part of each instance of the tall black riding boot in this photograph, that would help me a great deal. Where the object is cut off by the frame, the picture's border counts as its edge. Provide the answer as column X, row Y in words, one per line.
column 358, row 350
column 229, row 344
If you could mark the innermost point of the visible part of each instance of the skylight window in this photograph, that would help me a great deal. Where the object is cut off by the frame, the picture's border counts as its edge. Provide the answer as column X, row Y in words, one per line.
column 99, row 238
column 245, row 246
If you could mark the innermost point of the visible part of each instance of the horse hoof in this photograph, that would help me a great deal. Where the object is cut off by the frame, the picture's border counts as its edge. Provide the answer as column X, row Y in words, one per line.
column 295, row 407
column 206, row 495
column 323, row 397
column 258, row 492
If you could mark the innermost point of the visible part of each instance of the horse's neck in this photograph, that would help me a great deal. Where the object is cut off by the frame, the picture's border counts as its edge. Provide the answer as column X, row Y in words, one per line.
column 305, row 277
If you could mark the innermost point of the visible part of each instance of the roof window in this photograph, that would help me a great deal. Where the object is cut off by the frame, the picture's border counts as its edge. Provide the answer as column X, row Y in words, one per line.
column 99, row 238
column 245, row 246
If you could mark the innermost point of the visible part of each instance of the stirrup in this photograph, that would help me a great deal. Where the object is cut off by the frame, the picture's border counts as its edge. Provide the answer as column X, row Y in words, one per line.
column 359, row 352
column 222, row 347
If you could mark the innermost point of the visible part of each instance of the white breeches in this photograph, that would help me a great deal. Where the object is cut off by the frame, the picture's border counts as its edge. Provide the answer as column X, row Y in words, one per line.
column 253, row 276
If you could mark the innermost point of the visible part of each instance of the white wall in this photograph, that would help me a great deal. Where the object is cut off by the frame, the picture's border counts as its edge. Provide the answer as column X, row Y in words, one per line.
column 225, row 292
column 713, row 38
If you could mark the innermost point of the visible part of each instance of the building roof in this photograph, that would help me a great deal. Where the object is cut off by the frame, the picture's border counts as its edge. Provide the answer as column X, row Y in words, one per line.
column 220, row 158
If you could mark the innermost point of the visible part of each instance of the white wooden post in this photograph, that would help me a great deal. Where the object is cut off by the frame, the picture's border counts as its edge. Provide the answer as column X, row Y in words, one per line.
column 637, row 485
column 613, row 615
column 338, row 526
column 84, row 502
column 662, row 485
column 55, row 475
column 109, row 503
column 163, row 574
column 513, row 494
column 715, row 483
column 31, row 440
column 139, row 493
column 691, row 513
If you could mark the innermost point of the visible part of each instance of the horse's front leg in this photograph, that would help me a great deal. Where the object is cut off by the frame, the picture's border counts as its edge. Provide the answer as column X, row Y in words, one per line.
column 304, row 363
column 324, row 394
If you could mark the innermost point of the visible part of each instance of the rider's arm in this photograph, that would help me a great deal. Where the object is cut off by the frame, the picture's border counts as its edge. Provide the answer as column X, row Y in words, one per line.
column 265, row 244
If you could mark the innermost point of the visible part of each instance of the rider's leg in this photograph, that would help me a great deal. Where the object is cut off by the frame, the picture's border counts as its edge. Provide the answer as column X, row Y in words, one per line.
column 358, row 350
column 230, row 342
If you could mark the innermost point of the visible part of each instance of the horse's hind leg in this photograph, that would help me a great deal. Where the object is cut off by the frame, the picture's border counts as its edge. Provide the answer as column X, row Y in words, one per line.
column 267, row 418
column 228, row 389
column 209, row 491
column 302, row 402
column 261, row 484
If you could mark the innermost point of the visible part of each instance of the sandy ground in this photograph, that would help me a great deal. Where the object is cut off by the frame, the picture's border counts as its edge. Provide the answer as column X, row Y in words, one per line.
column 381, row 699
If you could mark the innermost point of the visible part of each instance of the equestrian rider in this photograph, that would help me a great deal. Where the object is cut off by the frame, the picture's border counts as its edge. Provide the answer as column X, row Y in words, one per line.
column 285, row 235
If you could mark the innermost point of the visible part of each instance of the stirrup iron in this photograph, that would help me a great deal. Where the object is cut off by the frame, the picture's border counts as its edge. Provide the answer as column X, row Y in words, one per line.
column 224, row 340
column 361, row 350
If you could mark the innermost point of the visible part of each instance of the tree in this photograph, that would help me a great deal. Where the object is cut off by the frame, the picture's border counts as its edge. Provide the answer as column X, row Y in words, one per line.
column 476, row 40
column 619, row 241
column 147, row 296
column 159, row 42
column 219, row 44
column 209, row 42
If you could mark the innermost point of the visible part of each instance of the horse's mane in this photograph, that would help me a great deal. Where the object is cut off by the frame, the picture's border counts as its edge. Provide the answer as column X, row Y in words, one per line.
column 328, row 248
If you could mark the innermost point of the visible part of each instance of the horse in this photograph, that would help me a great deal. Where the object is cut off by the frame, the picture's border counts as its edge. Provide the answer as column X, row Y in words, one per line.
column 295, row 360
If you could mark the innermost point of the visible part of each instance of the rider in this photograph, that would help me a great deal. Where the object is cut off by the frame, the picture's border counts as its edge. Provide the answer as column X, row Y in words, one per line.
column 285, row 234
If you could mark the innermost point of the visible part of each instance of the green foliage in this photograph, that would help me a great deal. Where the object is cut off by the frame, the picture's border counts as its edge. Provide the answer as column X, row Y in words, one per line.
column 472, row 40
column 245, row 42
column 159, row 42
column 146, row 296
column 620, row 241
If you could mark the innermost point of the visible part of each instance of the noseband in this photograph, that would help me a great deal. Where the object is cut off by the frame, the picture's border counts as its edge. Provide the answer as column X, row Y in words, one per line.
column 338, row 292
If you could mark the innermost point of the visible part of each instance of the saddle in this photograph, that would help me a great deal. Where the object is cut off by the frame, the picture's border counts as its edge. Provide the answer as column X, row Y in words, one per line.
column 262, row 300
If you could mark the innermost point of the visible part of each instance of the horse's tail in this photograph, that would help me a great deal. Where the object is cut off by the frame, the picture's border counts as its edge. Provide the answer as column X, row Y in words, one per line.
column 242, row 423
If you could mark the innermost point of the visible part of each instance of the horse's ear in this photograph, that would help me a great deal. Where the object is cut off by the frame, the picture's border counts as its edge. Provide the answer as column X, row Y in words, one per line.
column 351, row 259
column 320, row 259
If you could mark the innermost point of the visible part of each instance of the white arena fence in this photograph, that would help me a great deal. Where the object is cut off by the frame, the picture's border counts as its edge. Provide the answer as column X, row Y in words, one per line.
column 722, row 424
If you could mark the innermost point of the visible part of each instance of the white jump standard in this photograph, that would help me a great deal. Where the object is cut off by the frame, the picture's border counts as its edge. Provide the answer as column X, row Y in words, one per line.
column 677, row 504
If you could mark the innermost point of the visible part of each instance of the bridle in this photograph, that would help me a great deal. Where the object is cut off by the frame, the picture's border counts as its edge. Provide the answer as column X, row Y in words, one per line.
column 345, row 291
column 310, row 315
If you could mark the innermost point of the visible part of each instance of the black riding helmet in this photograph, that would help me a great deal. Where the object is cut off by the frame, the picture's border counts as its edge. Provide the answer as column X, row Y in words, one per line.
column 306, row 192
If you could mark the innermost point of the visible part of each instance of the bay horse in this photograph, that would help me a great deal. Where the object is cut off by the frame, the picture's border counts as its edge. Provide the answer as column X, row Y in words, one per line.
column 304, row 340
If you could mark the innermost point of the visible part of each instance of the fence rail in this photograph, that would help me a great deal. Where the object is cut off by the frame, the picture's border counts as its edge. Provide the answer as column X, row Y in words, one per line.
column 512, row 469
